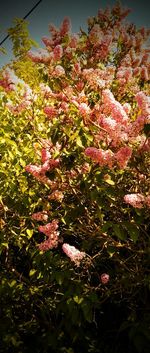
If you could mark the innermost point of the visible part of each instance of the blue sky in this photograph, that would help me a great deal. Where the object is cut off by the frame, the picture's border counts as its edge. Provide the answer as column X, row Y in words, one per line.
column 53, row 11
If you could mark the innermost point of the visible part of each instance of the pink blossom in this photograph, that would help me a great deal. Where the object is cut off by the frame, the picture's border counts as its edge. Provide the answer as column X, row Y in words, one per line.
column 64, row 107
column 59, row 71
column 113, row 107
column 65, row 27
column 93, row 153
column 33, row 169
column 145, row 145
column 104, row 278
column 47, row 41
column 143, row 102
column 98, row 78
column 9, row 80
column 38, row 173
column 49, row 228
column 45, row 155
column 51, row 112
column 135, row 200
column 46, row 90
column 147, row 200
column 56, row 195
column 74, row 41
column 41, row 56
column 84, row 109
column 100, row 156
column 49, row 165
column 109, row 124
column 96, row 35
column 123, row 156
column 77, row 67
column 19, row 108
column 58, row 52
column 74, row 254
column 50, row 243
column 136, row 126
column 53, row 30
column 40, row 216
column 144, row 73
column 127, row 108
column 45, row 245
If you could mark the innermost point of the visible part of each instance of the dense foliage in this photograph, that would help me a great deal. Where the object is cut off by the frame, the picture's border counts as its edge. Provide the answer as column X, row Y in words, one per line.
column 74, row 181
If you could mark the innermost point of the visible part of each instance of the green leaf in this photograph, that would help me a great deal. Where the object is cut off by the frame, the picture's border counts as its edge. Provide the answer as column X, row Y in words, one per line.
column 12, row 283
column 79, row 142
column 77, row 299
column 109, row 181
column 133, row 230
column 32, row 272
column 119, row 231
column 5, row 244
column 30, row 233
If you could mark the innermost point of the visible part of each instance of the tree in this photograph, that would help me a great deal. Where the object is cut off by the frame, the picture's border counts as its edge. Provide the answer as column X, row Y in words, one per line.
column 74, row 165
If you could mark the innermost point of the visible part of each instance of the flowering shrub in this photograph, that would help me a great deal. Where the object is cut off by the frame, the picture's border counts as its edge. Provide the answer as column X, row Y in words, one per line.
column 75, row 202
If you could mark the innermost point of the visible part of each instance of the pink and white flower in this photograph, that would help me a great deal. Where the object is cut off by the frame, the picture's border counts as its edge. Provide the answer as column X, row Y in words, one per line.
column 74, row 254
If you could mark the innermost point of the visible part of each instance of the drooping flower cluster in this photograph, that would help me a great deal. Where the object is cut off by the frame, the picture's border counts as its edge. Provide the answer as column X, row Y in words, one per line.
column 74, row 254
column 50, row 230
column 48, row 164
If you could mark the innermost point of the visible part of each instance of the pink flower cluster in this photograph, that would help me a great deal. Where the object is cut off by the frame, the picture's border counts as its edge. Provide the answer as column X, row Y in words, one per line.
column 100, row 156
column 104, row 278
column 59, row 71
column 50, row 230
column 143, row 103
column 116, row 133
column 114, row 108
column 48, row 164
column 45, row 155
column 58, row 52
column 123, row 156
column 96, row 35
column 18, row 108
column 50, row 111
column 99, row 78
column 40, row 216
column 74, row 254
column 133, row 66
column 56, row 195
column 41, row 56
column 108, row 157
column 45, row 90
column 84, row 109
column 8, row 80
column 65, row 27
column 137, row 200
